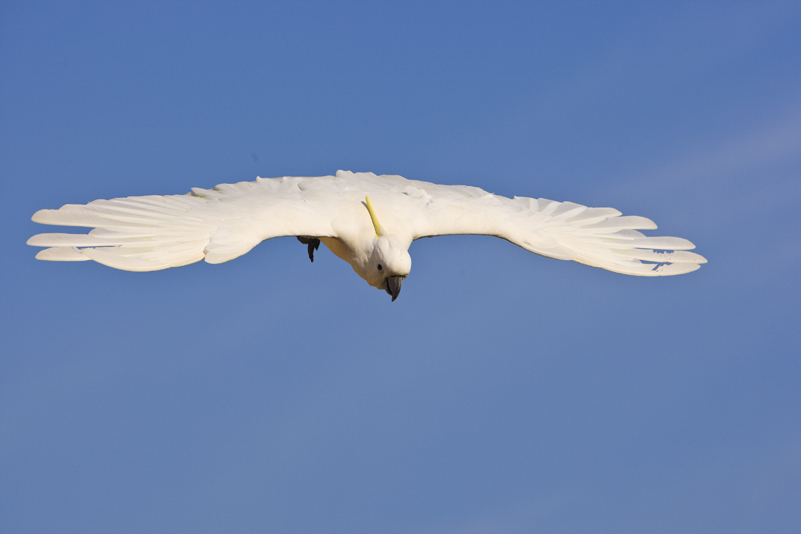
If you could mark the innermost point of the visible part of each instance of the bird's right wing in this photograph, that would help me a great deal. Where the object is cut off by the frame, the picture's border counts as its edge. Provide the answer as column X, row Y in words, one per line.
column 149, row 233
column 599, row 237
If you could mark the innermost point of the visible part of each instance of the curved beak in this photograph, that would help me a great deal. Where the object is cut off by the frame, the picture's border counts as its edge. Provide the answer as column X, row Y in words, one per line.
column 394, row 286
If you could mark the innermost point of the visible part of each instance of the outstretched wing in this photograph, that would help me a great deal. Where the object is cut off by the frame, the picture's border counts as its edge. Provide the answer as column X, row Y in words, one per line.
column 156, row 232
column 149, row 233
column 598, row 237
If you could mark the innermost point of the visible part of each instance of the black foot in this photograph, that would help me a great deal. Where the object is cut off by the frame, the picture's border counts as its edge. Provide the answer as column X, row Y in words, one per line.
column 313, row 244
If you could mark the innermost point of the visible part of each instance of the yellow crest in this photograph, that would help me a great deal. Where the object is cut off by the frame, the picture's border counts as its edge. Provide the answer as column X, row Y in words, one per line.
column 377, row 225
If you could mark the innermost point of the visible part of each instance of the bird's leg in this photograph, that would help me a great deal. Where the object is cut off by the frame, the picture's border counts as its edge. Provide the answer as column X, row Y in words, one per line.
column 313, row 244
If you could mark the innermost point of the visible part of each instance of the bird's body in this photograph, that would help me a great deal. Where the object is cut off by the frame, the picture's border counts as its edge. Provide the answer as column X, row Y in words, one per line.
column 367, row 220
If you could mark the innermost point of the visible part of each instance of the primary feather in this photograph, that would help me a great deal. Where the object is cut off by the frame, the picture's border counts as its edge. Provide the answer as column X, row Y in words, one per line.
column 217, row 225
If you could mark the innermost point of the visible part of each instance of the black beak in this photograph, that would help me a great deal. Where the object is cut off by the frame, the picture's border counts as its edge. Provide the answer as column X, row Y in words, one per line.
column 394, row 286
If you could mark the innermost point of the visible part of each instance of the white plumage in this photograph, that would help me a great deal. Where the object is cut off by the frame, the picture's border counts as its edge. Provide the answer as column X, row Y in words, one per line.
column 156, row 232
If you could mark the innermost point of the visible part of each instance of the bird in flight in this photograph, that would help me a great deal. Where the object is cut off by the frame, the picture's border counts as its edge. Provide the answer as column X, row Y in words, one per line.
column 367, row 220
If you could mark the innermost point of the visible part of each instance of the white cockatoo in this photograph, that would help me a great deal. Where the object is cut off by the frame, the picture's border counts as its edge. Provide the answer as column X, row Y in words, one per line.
column 367, row 220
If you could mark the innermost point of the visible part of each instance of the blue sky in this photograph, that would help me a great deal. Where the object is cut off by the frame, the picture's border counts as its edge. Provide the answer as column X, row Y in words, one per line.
column 502, row 392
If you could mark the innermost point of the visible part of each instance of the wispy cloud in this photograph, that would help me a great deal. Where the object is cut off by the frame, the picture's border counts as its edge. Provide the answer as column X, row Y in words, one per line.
column 779, row 139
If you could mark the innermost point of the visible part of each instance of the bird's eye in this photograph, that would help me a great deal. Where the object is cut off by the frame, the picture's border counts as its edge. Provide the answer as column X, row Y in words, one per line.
column 379, row 267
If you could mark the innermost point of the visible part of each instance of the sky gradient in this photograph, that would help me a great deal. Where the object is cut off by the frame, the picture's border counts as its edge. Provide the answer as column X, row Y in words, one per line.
column 502, row 391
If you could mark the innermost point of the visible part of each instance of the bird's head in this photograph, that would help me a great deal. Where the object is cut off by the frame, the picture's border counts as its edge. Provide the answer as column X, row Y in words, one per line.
column 390, row 261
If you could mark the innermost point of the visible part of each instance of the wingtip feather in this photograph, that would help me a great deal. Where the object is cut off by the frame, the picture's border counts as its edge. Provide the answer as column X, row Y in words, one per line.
column 61, row 254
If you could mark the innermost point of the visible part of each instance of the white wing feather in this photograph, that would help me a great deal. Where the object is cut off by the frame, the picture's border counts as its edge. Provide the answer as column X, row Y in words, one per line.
column 156, row 232
column 599, row 237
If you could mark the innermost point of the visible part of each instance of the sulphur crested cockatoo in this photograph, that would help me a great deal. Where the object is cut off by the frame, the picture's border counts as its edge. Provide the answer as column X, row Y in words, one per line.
column 367, row 220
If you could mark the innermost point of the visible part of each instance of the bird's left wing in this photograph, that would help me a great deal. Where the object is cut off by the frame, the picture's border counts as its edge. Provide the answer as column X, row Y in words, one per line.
column 149, row 233
column 599, row 237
